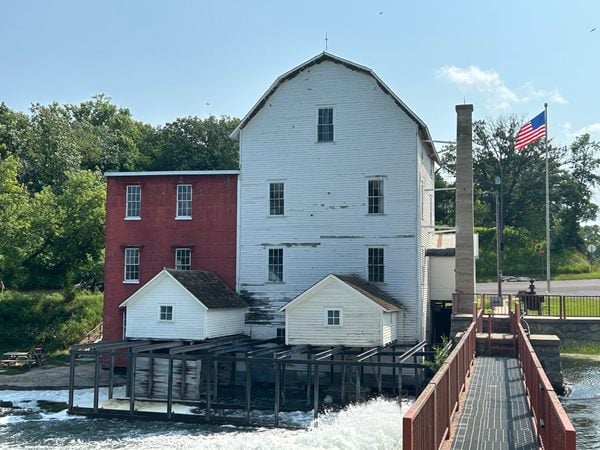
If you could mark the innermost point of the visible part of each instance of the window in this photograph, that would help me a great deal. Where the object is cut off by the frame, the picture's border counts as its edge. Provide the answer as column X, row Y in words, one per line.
column 184, row 201
column 276, row 201
column 333, row 317
column 132, row 264
column 375, row 195
column 183, row 259
column 134, row 202
column 325, row 125
column 166, row 313
column 375, row 264
column 276, row 265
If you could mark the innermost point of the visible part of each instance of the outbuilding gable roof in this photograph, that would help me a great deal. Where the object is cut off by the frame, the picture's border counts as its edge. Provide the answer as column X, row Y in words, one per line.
column 206, row 287
column 371, row 291
column 424, row 131
column 366, row 289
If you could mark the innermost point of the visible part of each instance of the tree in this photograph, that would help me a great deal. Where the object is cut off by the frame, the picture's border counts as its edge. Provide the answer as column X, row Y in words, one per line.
column 576, row 189
column 14, row 222
column 192, row 143
column 67, row 231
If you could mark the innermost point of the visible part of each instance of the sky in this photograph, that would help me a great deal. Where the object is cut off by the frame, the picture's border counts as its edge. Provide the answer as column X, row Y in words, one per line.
column 169, row 59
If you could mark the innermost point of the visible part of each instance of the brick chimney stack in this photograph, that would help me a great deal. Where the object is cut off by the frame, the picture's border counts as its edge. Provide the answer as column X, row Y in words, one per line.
column 465, row 251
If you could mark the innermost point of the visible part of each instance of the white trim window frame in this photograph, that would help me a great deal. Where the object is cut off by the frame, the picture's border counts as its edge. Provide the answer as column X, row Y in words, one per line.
column 325, row 129
column 184, row 202
column 375, row 264
column 131, row 269
column 376, row 196
column 133, row 202
column 183, row 258
column 333, row 317
column 166, row 313
column 276, row 196
column 275, row 265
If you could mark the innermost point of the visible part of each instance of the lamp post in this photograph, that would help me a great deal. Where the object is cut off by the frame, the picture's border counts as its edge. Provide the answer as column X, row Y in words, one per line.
column 499, row 235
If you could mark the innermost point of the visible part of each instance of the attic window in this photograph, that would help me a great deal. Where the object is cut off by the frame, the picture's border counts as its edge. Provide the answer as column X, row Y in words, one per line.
column 166, row 313
column 333, row 317
column 325, row 125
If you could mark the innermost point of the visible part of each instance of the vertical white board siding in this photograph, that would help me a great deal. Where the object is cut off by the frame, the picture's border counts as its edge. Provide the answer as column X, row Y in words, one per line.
column 225, row 322
column 143, row 313
column 361, row 319
column 426, row 235
column 326, row 228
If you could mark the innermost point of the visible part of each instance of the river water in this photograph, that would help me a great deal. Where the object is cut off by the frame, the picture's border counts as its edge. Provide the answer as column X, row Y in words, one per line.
column 583, row 405
column 376, row 424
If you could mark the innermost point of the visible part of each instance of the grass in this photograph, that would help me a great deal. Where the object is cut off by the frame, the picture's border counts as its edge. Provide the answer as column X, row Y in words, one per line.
column 577, row 276
column 582, row 348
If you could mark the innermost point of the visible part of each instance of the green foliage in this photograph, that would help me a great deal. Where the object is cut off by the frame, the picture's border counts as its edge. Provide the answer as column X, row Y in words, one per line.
column 441, row 352
column 582, row 348
column 47, row 318
column 193, row 143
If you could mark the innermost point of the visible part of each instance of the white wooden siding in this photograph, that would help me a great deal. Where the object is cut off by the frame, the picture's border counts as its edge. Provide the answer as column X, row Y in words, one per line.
column 143, row 313
column 225, row 322
column 361, row 326
column 326, row 228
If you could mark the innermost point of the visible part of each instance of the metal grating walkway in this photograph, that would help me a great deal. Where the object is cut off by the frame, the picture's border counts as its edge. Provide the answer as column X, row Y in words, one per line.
column 495, row 414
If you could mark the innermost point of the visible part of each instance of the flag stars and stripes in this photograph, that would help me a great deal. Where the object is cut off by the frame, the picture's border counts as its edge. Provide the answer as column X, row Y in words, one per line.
column 531, row 131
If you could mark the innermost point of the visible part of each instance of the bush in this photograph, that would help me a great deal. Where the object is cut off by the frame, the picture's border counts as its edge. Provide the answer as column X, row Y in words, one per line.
column 51, row 319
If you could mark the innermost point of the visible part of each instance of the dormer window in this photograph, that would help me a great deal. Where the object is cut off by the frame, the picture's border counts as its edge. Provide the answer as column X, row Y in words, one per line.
column 325, row 125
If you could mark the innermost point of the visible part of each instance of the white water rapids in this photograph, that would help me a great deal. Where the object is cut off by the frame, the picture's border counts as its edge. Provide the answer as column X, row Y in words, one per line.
column 376, row 424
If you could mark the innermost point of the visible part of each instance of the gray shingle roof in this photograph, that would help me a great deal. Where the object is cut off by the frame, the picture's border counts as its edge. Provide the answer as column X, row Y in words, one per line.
column 208, row 288
column 371, row 291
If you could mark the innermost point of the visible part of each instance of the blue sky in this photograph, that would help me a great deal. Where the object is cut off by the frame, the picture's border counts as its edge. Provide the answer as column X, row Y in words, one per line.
column 164, row 60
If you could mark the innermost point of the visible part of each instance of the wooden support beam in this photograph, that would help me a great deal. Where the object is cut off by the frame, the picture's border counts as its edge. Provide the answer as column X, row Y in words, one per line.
column 111, row 376
column 208, row 389
column 96, row 381
column 216, row 387
column 358, row 370
column 308, row 381
column 170, row 389
column 183, row 378
column 316, row 392
column 248, row 388
column 150, row 374
column 343, row 387
column 277, row 392
column 132, row 383
column 72, row 379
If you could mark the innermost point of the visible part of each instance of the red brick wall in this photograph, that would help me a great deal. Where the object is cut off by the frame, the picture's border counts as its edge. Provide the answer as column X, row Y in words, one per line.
column 211, row 234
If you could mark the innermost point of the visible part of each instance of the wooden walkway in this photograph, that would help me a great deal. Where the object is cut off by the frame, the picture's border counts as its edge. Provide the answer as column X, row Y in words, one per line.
column 496, row 414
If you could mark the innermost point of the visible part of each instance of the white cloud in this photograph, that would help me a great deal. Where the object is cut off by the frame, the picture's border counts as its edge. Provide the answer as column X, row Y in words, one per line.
column 489, row 83
column 592, row 129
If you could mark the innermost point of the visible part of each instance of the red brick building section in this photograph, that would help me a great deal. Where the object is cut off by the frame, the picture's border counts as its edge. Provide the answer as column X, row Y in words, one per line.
column 143, row 212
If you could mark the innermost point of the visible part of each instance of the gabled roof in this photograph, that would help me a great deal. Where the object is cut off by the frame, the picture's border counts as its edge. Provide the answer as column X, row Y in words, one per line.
column 424, row 131
column 206, row 287
column 367, row 290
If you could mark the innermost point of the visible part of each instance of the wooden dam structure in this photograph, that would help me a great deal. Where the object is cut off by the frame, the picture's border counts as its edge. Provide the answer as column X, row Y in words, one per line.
column 223, row 380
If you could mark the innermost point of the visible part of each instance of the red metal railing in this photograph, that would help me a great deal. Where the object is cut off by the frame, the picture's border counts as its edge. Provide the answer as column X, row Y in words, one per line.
column 554, row 429
column 427, row 424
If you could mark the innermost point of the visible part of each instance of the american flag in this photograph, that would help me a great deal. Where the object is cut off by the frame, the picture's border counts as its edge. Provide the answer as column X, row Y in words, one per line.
column 531, row 131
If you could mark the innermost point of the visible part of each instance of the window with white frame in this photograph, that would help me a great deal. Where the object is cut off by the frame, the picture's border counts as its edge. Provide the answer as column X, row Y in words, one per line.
column 325, row 125
column 276, row 198
column 333, row 317
column 132, row 264
column 375, row 195
column 166, row 313
column 184, row 201
column 375, row 263
column 276, row 265
column 133, row 202
column 183, row 258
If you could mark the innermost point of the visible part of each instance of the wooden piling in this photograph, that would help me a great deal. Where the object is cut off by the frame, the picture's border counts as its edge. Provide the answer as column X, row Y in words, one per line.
column 96, row 381
column 277, row 388
column 316, row 391
column 132, row 383
column 170, row 388
column 71, row 380
column 248, row 388
column 111, row 376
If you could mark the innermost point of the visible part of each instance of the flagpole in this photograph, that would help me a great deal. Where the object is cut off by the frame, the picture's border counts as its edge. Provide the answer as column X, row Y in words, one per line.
column 547, row 204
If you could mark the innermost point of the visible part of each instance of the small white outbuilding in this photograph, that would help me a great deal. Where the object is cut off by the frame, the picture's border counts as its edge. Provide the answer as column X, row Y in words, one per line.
column 342, row 310
column 184, row 304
